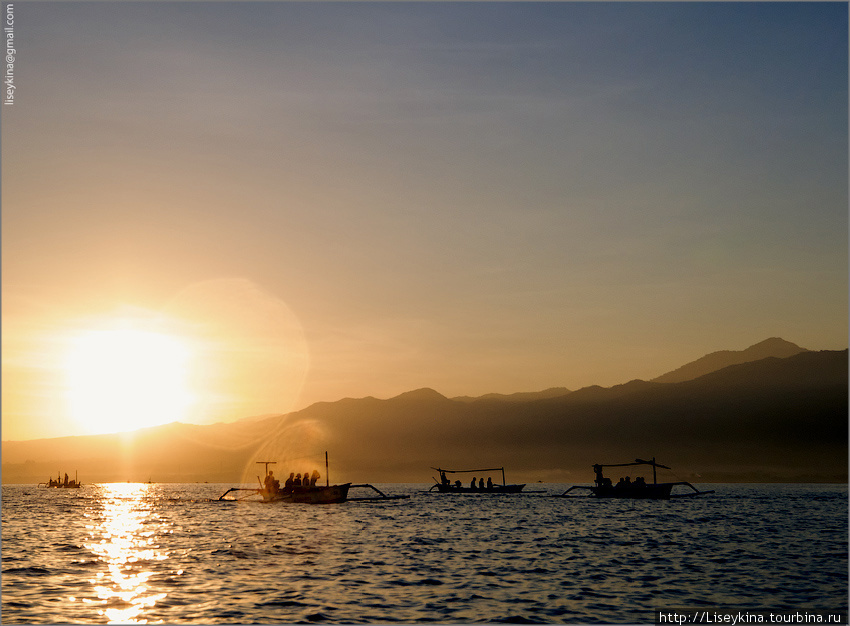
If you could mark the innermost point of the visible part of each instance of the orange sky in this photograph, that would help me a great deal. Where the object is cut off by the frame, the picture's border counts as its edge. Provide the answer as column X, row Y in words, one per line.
column 325, row 200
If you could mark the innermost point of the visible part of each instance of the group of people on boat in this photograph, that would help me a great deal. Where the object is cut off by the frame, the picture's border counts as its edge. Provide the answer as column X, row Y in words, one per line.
column 272, row 485
column 626, row 483
column 476, row 483
column 623, row 483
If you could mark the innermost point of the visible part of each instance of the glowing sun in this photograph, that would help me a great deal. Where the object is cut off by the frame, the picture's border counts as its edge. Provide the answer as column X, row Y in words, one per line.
column 125, row 379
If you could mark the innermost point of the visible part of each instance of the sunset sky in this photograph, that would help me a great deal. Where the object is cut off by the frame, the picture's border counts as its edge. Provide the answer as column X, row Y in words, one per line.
column 216, row 210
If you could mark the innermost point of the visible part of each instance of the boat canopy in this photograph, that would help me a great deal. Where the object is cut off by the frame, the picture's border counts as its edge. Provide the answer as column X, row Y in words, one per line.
column 635, row 462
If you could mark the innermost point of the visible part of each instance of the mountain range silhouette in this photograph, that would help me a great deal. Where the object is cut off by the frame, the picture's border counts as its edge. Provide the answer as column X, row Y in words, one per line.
column 772, row 412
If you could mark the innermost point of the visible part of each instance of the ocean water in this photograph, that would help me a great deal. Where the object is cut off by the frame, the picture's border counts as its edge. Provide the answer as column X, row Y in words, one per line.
column 172, row 553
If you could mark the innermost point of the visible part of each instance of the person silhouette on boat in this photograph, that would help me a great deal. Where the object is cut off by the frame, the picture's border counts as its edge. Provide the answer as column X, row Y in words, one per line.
column 640, row 481
column 289, row 482
column 297, row 481
column 458, row 484
column 489, row 484
column 473, row 483
column 600, row 479
column 481, row 483
column 305, row 481
column 443, row 479
column 271, row 483
column 314, row 477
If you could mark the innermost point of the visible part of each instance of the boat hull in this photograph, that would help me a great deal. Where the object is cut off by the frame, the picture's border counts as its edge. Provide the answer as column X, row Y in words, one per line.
column 332, row 494
column 659, row 491
column 496, row 489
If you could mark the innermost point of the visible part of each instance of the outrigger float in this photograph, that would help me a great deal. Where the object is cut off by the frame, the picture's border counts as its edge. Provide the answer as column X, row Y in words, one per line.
column 637, row 489
column 306, row 493
column 444, row 485
column 66, row 484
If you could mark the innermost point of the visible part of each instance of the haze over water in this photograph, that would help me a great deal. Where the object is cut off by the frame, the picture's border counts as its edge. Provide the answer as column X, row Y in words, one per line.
column 136, row 553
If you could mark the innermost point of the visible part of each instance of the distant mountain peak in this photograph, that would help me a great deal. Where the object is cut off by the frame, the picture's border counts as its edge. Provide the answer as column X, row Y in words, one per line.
column 775, row 347
column 426, row 393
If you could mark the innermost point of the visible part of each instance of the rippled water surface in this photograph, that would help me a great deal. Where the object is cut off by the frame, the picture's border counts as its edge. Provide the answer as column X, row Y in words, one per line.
column 172, row 553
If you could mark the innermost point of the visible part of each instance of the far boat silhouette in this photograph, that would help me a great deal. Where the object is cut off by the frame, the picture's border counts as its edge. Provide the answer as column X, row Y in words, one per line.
column 66, row 484
column 444, row 485
column 637, row 489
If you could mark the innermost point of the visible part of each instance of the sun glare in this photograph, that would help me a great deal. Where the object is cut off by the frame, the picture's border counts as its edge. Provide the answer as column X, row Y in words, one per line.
column 125, row 379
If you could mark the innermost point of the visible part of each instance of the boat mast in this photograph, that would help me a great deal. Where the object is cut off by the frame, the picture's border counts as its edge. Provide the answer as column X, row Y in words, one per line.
column 267, row 463
column 327, row 478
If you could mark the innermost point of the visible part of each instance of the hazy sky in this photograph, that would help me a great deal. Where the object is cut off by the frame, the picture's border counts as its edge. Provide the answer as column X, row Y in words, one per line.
column 323, row 200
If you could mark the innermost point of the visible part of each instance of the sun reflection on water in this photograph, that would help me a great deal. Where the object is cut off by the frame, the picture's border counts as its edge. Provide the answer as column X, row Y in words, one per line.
column 125, row 539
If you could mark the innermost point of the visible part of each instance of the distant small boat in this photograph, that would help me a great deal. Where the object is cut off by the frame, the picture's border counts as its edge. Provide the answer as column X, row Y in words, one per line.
column 59, row 483
column 444, row 485
column 638, row 489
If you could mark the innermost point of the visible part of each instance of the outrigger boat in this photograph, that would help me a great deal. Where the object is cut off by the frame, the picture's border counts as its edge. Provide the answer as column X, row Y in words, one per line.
column 307, row 492
column 637, row 489
column 66, row 484
column 444, row 485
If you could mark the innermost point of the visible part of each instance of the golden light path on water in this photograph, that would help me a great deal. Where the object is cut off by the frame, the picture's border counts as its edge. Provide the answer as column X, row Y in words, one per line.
column 125, row 539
